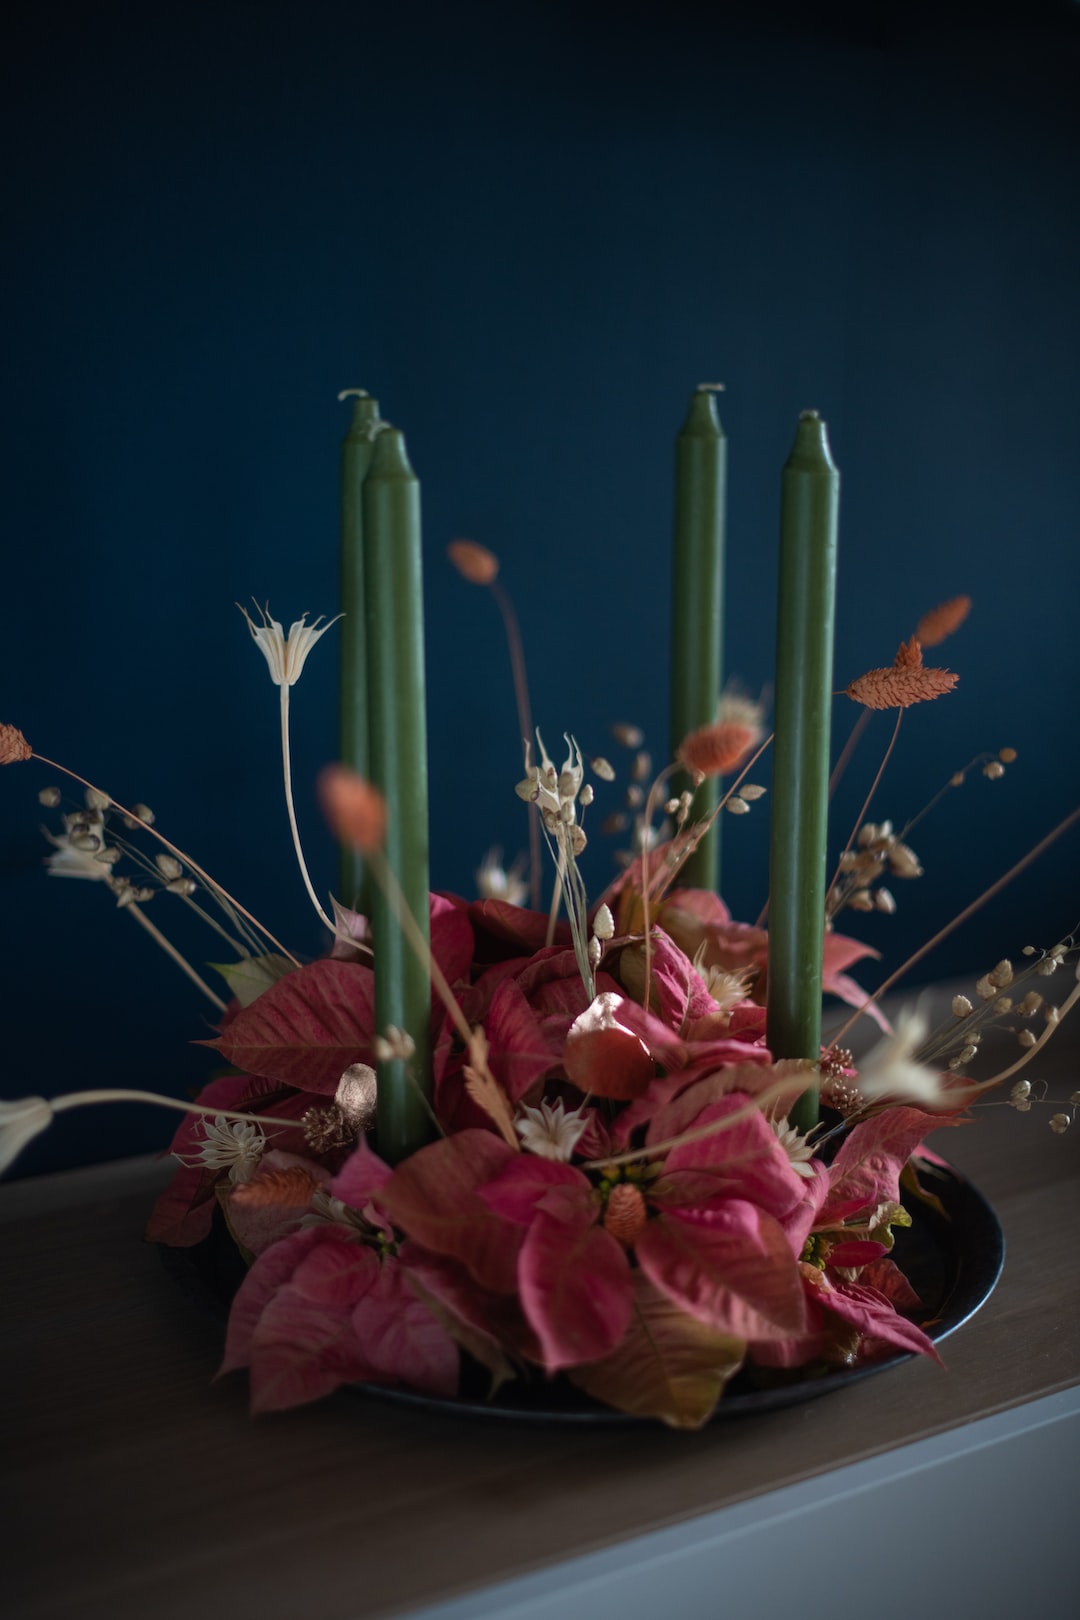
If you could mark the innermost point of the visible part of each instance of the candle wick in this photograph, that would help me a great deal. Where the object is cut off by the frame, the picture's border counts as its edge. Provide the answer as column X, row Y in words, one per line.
column 358, row 393
column 710, row 388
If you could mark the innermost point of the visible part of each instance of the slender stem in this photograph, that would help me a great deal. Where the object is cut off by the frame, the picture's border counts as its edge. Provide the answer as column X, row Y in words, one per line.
column 524, row 711
column 556, row 899
column 1063, row 1011
column 180, row 854
column 77, row 1099
column 848, row 749
column 286, row 762
column 134, row 910
column 961, row 917
column 866, row 803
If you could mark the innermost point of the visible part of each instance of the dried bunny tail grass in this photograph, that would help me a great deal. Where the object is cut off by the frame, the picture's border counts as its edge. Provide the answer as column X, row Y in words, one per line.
column 355, row 810
column 907, row 682
column 13, row 746
column 941, row 621
column 290, row 1188
column 485, row 1090
column 473, row 562
column 716, row 749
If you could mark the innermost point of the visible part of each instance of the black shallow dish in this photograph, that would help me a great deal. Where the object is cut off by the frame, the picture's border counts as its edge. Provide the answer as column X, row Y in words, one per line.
column 953, row 1261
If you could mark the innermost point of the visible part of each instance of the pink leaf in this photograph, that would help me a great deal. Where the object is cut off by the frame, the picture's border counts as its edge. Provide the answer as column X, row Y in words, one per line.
column 520, row 1050
column 866, row 1171
column 307, row 1028
column 361, row 1177
column 874, row 1316
column 575, row 1289
column 668, row 1365
column 401, row 1339
column 274, row 1269
column 432, row 1197
column 484, row 1323
column 516, row 1191
column 845, row 987
column 734, row 1270
column 858, row 1252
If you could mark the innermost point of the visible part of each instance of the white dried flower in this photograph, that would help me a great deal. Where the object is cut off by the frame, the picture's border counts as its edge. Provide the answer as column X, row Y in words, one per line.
column 549, row 1131
column 496, row 882
column 1059, row 1124
column 737, row 806
column 961, row 1006
column 232, row 1144
column 68, row 860
column 798, row 1148
column 604, row 923
column 394, row 1044
column 752, row 791
column 285, row 655
column 889, row 1071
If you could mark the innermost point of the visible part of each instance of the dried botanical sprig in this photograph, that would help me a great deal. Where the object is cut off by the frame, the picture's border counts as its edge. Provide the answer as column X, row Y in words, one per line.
column 473, row 562
column 716, row 749
column 941, row 621
column 13, row 746
column 907, row 682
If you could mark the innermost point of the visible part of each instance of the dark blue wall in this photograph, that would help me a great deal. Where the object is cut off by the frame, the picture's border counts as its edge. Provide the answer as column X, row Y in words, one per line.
column 529, row 229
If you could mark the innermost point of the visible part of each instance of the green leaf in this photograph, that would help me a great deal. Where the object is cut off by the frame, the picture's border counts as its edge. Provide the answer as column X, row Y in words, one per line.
column 669, row 1365
column 248, row 978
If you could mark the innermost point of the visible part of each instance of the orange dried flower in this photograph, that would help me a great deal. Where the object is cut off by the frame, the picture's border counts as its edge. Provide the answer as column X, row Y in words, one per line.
column 289, row 1188
column 624, row 1217
column 355, row 810
column 943, row 620
column 473, row 562
column 13, row 745
column 907, row 682
column 714, row 750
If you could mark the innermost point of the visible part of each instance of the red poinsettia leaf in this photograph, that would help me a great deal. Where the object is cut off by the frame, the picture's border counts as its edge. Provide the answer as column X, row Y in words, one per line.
column 839, row 952
column 402, row 1340
column 483, row 1323
column 275, row 1268
column 867, row 1169
column 886, row 1278
column 733, row 1270
column 845, row 987
column 520, row 1051
column 677, row 993
column 432, row 1197
column 361, row 1177
column 743, row 1160
column 452, row 942
column 603, row 1056
column 498, row 924
column 574, row 1283
column 306, row 1029
column 516, row 1191
column 701, row 904
column 668, row 1365
column 873, row 1315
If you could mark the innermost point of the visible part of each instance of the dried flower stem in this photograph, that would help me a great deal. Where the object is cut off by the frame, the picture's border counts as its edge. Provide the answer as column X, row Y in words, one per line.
column 136, row 911
column 961, row 917
column 861, row 817
column 286, row 762
column 77, row 1099
column 524, row 711
column 790, row 1087
column 848, row 749
column 180, row 854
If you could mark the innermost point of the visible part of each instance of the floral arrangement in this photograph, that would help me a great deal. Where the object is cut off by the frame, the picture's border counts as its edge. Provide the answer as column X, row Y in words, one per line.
column 615, row 1187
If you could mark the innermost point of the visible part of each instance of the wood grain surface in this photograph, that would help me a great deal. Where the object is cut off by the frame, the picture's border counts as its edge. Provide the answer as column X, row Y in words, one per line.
column 134, row 1485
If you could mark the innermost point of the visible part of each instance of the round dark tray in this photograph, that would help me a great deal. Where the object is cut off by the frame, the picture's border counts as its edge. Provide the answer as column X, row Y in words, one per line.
column 952, row 1260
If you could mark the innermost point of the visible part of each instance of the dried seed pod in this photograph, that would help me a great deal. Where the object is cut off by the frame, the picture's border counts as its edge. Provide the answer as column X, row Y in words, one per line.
column 49, row 797
column 961, row 1006
column 1059, row 1124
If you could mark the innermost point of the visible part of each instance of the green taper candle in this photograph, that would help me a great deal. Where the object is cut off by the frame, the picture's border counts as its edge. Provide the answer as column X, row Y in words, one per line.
column 353, row 744
column 809, row 505
column 697, row 605
column 393, row 585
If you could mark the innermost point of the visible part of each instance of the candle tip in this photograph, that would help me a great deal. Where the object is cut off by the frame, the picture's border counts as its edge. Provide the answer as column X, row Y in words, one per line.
column 710, row 388
column 808, row 416
column 357, row 393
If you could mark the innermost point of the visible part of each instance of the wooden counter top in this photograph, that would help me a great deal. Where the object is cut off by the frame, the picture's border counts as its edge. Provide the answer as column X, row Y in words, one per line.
column 137, row 1486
